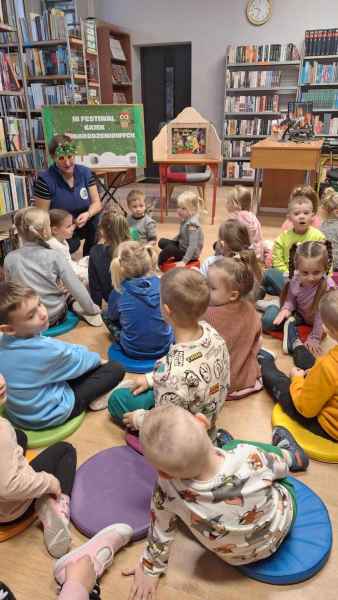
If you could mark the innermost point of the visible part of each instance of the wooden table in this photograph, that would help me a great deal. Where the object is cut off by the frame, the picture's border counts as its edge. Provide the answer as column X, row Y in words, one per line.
column 163, row 164
column 274, row 160
column 112, row 185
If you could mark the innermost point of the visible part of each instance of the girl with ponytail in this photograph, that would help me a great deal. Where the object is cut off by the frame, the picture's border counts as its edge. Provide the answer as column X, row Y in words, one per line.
column 134, row 315
column 309, row 266
column 46, row 271
column 233, row 315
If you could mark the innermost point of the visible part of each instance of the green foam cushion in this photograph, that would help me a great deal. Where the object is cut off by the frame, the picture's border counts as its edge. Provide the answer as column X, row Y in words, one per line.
column 70, row 322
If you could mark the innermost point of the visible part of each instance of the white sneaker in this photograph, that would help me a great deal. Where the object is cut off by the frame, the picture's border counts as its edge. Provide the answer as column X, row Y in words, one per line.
column 93, row 320
column 262, row 305
column 54, row 516
column 100, row 403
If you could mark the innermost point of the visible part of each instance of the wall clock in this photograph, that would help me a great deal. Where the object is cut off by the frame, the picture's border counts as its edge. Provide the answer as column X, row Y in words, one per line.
column 259, row 12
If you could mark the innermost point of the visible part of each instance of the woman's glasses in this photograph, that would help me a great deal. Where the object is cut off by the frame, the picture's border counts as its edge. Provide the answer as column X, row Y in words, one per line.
column 63, row 158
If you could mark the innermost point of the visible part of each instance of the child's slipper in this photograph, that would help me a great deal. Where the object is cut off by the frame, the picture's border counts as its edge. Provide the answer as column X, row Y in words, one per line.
column 283, row 439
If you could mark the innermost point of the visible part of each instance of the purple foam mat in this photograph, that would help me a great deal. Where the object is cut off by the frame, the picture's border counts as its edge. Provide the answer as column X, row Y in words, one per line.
column 114, row 486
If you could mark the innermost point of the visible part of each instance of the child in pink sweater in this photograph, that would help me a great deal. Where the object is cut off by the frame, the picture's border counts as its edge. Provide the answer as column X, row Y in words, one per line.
column 238, row 205
column 47, row 480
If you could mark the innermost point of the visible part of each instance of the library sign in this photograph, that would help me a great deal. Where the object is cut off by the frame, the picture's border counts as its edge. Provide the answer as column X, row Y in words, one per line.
column 106, row 135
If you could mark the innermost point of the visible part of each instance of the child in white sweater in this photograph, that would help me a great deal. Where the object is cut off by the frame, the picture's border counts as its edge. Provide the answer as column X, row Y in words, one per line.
column 62, row 229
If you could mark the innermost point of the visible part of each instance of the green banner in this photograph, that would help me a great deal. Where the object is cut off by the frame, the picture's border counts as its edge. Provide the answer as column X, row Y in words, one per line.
column 107, row 135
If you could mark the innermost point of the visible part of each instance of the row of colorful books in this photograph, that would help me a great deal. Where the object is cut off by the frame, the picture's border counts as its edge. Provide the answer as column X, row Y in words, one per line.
column 7, row 13
column 321, row 98
column 120, row 74
column 14, row 134
column 253, row 79
column 321, row 42
column 24, row 162
column 51, row 25
column 9, row 71
column 263, row 53
column 268, row 103
column 40, row 94
column 256, row 126
column 325, row 124
column 47, row 61
column 315, row 72
column 119, row 98
column 239, row 170
column 13, row 193
column 236, row 148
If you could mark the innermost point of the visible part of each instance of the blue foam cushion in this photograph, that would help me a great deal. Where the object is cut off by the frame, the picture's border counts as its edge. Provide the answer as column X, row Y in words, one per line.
column 68, row 324
column 305, row 550
column 131, row 365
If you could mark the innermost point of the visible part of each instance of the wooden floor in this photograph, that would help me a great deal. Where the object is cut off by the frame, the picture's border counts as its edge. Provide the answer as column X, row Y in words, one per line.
column 194, row 573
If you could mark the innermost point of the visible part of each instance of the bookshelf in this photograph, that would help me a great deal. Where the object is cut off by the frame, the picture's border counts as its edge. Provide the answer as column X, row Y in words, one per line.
column 92, row 62
column 318, row 79
column 115, row 64
column 259, row 83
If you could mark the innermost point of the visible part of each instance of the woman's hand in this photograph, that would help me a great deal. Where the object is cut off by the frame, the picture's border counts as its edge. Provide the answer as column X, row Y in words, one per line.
column 3, row 390
column 282, row 315
column 82, row 219
column 144, row 586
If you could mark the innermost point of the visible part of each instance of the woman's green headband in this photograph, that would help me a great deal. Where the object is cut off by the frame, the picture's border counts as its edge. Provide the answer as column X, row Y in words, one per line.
column 66, row 149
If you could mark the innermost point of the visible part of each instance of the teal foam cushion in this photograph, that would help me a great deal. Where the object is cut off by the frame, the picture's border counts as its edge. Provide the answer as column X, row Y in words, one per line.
column 68, row 324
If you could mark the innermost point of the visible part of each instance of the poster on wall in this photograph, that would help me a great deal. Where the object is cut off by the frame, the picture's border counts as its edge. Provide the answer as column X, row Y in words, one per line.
column 106, row 136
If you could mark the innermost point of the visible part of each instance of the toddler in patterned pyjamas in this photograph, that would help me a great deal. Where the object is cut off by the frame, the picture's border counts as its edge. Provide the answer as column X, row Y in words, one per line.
column 235, row 501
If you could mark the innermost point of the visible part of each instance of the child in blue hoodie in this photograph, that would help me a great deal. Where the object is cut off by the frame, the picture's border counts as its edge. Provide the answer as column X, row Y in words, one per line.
column 48, row 381
column 134, row 315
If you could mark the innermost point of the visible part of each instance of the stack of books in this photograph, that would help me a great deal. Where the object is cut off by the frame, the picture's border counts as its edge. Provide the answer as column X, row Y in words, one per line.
column 7, row 13
column 239, row 170
column 237, row 149
column 13, row 193
column 321, row 42
column 248, row 127
column 77, row 62
column 47, row 61
column 315, row 72
column 40, row 94
column 252, row 103
column 51, row 25
column 263, row 53
column 9, row 72
column 119, row 98
column 321, row 98
column 253, row 79
column 120, row 74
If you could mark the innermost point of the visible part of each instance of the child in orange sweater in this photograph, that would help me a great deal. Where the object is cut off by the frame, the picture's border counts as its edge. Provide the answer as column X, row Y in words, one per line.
column 310, row 397
column 231, row 280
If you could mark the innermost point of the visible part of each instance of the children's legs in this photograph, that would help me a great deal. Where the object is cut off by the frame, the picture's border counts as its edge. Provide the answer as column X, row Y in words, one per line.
column 94, row 384
column 273, row 281
column 21, row 438
column 59, row 460
column 123, row 401
column 269, row 317
column 169, row 249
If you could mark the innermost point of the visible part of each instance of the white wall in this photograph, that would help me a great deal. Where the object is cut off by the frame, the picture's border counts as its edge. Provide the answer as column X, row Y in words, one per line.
column 210, row 26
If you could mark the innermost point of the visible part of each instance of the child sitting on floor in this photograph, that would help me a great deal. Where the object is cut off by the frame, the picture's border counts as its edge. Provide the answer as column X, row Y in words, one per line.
column 234, row 317
column 49, row 381
column 188, row 244
column 134, row 314
column 235, row 501
column 139, row 219
column 301, row 192
column 37, row 266
column 238, row 205
column 195, row 372
column 300, row 213
column 310, row 398
column 329, row 226
column 310, row 264
column 48, row 479
column 113, row 229
column 62, row 228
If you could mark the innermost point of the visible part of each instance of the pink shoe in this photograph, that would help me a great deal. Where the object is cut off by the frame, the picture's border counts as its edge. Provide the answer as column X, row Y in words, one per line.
column 54, row 516
column 101, row 549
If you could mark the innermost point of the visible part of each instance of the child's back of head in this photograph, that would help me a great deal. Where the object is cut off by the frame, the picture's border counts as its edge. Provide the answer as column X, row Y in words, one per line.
column 234, row 275
column 33, row 225
column 328, row 308
column 239, row 198
column 233, row 238
column 186, row 293
column 329, row 203
column 132, row 259
column 114, row 229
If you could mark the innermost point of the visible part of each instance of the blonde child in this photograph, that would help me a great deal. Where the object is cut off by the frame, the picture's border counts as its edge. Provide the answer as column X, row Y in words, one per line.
column 235, row 501
column 329, row 226
column 238, row 205
column 195, row 372
column 139, row 219
column 36, row 265
column 234, row 317
column 310, row 264
column 48, row 480
column 300, row 213
column 134, row 303
column 188, row 243
column 310, row 398
column 62, row 228
column 113, row 229
column 305, row 191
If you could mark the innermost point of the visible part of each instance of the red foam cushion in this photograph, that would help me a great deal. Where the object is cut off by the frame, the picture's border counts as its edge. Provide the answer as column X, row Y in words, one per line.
column 171, row 264
column 303, row 332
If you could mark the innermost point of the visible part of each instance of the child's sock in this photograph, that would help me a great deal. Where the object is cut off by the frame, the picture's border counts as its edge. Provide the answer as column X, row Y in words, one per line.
column 54, row 516
column 101, row 549
column 100, row 403
column 293, row 453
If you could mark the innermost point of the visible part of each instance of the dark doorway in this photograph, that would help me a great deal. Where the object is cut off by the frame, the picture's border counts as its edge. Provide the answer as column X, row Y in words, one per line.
column 166, row 90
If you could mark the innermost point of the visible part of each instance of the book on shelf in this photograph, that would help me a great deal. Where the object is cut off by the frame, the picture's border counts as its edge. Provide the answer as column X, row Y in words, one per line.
column 255, row 126
column 51, row 25
column 92, row 70
column 7, row 12
column 12, row 104
column 23, row 162
column 90, row 34
column 321, row 98
column 262, row 53
column 14, row 134
column 252, row 104
column 3, row 145
column 239, row 170
column 236, row 148
column 93, row 96
column 119, row 98
column 77, row 65
column 116, row 49
column 316, row 72
column 9, row 72
column 326, row 124
column 13, row 194
column 40, row 94
column 47, row 61
column 321, row 42
column 253, row 79
column 120, row 74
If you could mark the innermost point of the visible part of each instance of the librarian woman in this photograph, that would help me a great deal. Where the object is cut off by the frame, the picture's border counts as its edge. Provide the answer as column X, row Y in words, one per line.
column 70, row 187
